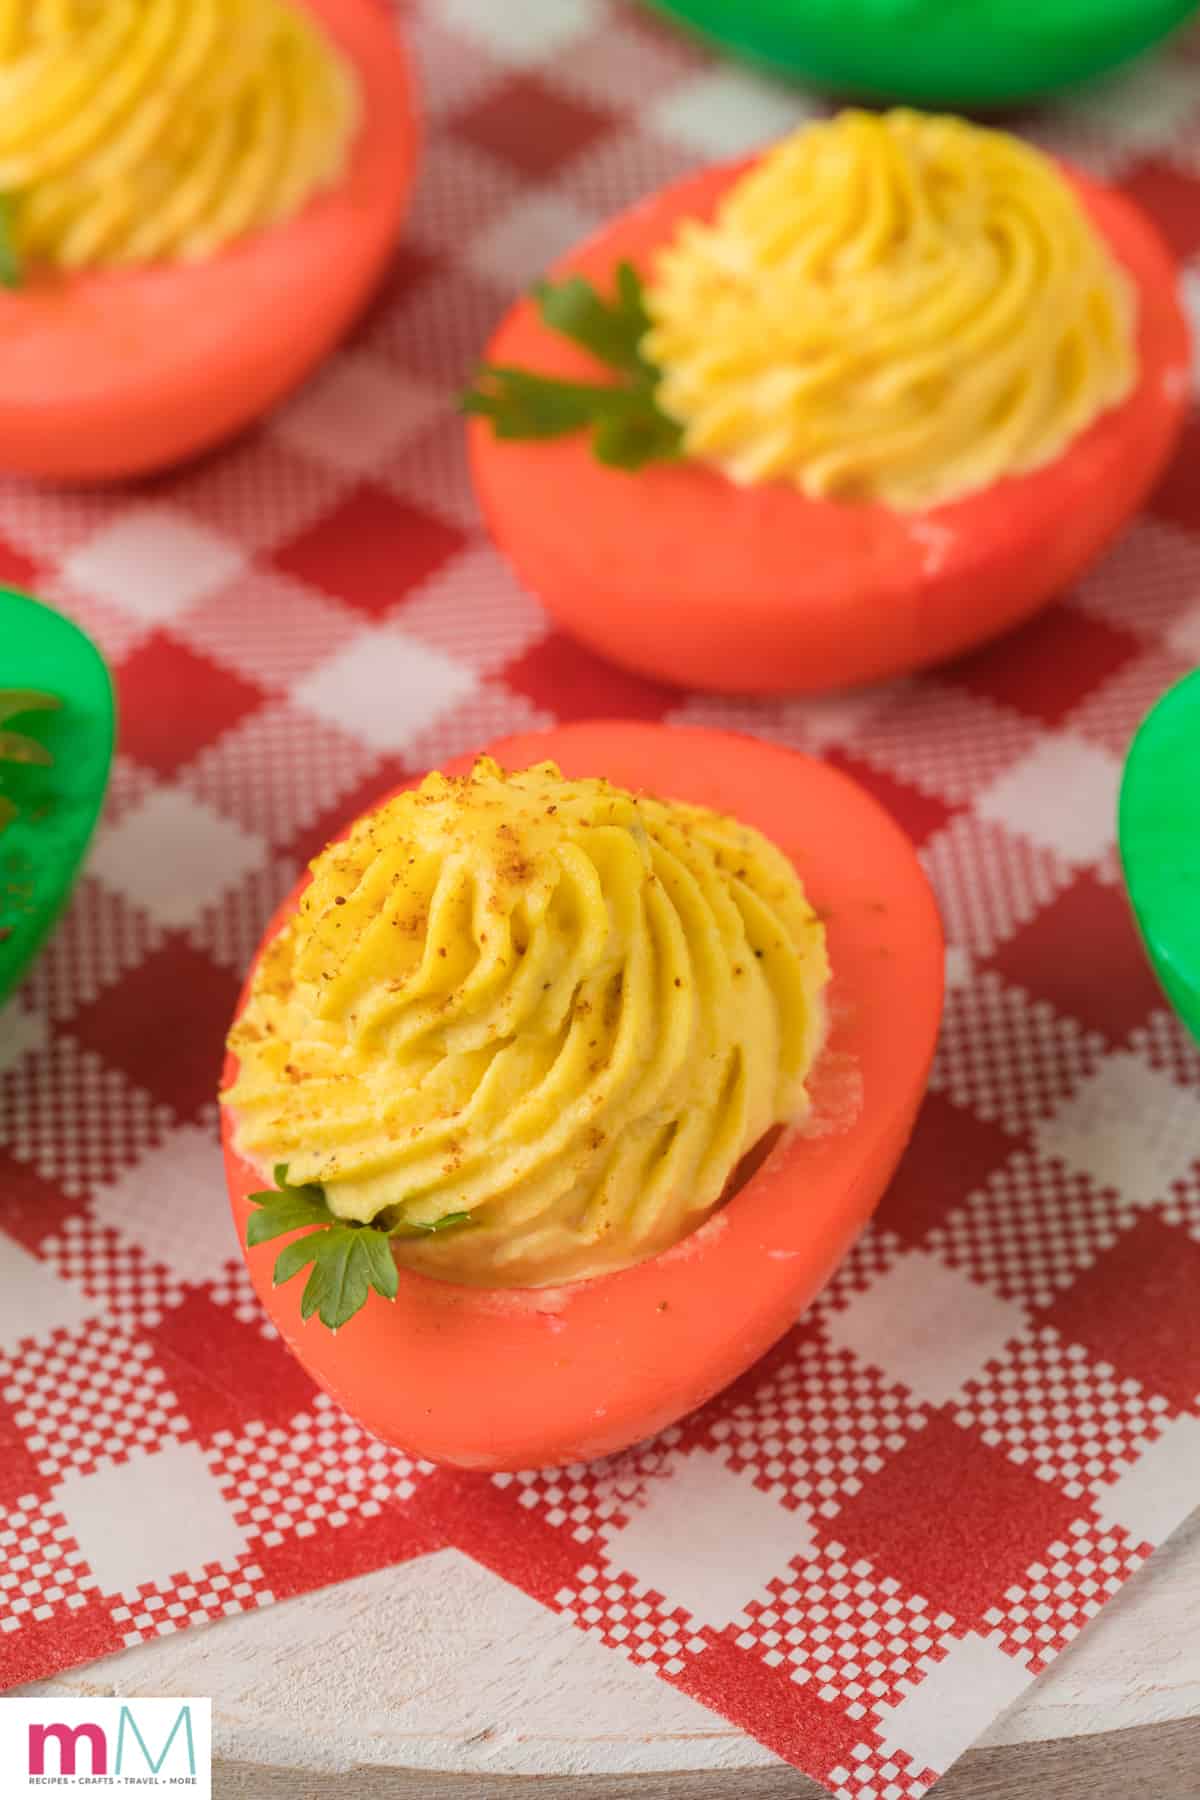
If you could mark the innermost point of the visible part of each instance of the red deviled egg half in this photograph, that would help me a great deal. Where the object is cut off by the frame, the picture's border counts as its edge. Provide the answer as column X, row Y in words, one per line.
column 834, row 414
column 567, row 1077
column 198, row 196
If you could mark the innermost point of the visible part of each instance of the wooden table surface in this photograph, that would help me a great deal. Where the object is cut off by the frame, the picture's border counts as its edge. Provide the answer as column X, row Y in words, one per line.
column 426, row 1680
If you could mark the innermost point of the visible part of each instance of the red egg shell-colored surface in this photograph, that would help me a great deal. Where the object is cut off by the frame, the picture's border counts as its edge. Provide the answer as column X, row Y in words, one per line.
column 113, row 373
column 678, row 574
column 504, row 1379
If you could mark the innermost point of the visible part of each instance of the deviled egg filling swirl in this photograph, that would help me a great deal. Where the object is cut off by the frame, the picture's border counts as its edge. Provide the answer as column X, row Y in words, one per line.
column 134, row 131
column 894, row 307
column 560, row 1008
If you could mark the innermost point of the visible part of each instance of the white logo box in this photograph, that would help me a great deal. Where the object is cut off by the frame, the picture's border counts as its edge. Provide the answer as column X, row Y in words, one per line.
column 50, row 1746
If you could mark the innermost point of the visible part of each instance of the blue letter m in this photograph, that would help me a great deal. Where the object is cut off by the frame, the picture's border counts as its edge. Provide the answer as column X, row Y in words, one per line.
column 183, row 1717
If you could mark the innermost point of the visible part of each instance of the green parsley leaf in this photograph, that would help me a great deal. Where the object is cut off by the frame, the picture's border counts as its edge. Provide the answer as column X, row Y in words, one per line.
column 448, row 1222
column 286, row 1210
column 628, row 427
column 295, row 1256
column 281, row 1213
column 524, row 405
column 381, row 1264
column 11, row 272
column 633, row 439
column 632, row 298
column 340, row 1280
column 611, row 330
column 346, row 1260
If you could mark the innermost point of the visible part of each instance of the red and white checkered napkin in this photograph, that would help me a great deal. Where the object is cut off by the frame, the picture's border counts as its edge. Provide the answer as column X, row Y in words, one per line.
column 868, row 1547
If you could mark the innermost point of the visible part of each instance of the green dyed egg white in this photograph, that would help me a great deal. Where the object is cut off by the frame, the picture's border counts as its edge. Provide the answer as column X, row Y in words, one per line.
column 1159, row 830
column 57, row 725
column 956, row 53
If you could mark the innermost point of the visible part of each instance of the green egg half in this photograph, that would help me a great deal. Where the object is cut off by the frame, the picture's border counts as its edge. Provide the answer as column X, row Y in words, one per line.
column 57, row 726
column 1159, row 830
column 949, row 53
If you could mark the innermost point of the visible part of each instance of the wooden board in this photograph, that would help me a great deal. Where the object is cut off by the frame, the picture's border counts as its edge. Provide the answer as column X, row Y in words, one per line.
column 425, row 1680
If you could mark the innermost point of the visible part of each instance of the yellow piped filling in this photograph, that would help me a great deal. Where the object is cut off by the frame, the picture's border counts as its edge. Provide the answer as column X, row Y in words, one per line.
column 891, row 307
column 134, row 131
column 562, row 1008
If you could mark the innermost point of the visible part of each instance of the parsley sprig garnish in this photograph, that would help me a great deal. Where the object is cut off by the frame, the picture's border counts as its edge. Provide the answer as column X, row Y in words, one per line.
column 16, row 746
column 347, row 1259
column 628, row 427
column 12, row 272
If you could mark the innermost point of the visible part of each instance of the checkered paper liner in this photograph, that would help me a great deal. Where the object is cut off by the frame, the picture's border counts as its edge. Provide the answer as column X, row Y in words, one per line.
column 875, row 1539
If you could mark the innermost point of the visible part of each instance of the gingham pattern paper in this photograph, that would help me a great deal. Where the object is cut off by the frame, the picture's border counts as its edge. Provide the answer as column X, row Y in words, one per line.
column 870, row 1544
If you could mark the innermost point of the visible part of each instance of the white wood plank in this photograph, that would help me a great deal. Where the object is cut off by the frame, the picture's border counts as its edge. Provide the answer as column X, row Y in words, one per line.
column 436, row 1665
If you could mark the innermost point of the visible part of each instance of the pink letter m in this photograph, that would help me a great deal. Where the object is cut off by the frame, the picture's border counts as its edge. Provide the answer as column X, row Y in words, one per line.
column 68, row 1737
